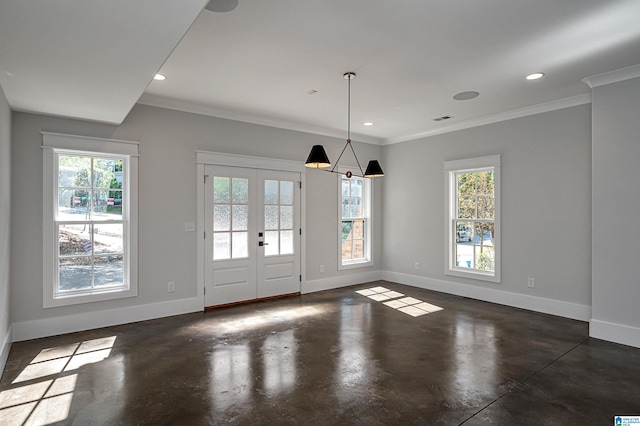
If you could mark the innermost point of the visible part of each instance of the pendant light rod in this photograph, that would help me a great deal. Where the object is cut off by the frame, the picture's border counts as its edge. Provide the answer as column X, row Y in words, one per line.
column 318, row 157
column 348, row 76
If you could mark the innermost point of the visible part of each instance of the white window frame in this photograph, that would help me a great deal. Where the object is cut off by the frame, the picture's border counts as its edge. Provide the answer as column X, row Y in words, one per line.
column 451, row 168
column 368, row 229
column 54, row 144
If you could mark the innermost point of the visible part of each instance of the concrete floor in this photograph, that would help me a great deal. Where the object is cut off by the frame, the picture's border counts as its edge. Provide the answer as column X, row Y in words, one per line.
column 335, row 357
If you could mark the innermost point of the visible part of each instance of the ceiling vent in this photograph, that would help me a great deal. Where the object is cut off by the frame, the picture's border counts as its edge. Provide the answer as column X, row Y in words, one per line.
column 444, row 117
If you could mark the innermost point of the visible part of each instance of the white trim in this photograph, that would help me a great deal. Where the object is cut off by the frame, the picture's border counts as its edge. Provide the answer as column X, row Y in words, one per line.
column 340, row 281
column 368, row 204
column 452, row 167
column 250, row 162
column 176, row 105
column 472, row 163
column 613, row 76
column 232, row 160
column 89, row 144
column 496, row 118
column 5, row 348
column 617, row 333
column 516, row 300
column 55, row 142
column 104, row 318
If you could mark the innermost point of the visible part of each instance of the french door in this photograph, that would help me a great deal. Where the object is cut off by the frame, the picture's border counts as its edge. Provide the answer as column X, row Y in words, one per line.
column 252, row 234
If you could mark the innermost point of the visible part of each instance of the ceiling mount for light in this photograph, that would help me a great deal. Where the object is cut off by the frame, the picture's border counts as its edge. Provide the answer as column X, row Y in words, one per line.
column 221, row 6
column 318, row 158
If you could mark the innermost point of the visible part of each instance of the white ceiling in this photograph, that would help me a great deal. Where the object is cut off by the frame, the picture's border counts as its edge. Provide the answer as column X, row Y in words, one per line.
column 258, row 62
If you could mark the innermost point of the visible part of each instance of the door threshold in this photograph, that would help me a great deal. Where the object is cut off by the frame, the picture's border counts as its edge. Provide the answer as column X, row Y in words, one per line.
column 246, row 302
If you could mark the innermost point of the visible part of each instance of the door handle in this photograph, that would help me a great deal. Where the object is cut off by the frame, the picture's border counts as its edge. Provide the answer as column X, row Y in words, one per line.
column 262, row 243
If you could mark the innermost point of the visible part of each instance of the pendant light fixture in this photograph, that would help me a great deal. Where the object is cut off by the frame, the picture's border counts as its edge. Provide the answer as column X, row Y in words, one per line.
column 318, row 157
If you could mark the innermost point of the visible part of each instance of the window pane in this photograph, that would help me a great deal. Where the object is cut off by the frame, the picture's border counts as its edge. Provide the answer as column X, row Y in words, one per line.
column 286, row 242
column 74, row 171
column 484, row 233
column 108, row 238
column 74, row 240
column 486, row 208
column 286, row 192
column 347, row 226
column 356, row 188
column 100, row 206
column 221, row 218
column 240, row 218
column 240, row 245
column 464, row 255
column 286, row 217
column 358, row 229
column 347, row 247
column 108, row 271
column 345, row 187
column 114, row 204
column 271, row 192
column 345, row 207
column 484, row 183
column 271, row 241
column 356, row 207
column 485, row 258
column 221, row 189
column 466, row 208
column 74, row 273
column 221, row 245
column 73, row 204
column 104, row 173
column 270, row 217
column 466, row 183
column 358, row 249
column 240, row 189
column 464, row 232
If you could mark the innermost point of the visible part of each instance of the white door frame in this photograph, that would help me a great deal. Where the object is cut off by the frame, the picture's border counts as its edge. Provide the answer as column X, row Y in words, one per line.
column 232, row 160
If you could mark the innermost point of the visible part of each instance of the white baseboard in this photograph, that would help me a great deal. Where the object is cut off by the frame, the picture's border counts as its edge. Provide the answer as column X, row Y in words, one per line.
column 616, row 333
column 341, row 281
column 4, row 349
column 523, row 301
column 79, row 322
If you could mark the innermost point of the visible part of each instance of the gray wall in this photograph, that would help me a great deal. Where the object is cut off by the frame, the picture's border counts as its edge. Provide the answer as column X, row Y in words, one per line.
column 546, row 203
column 616, row 204
column 5, row 225
column 168, row 141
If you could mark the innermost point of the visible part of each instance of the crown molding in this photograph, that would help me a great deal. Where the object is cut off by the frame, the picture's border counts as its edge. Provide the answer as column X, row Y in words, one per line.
column 162, row 102
column 612, row 76
column 495, row 118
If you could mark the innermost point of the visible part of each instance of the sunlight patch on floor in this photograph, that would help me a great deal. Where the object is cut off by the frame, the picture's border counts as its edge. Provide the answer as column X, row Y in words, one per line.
column 45, row 389
column 408, row 305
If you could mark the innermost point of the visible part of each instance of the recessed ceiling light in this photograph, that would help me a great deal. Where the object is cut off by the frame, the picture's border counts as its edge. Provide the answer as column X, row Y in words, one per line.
column 368, row 123
column 535, row 76
column 465, row 96
column 159, row 77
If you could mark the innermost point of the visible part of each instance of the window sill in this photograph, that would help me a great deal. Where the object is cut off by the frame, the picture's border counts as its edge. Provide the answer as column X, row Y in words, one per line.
column 474, row 275
column 355, row 264
column 97, row 296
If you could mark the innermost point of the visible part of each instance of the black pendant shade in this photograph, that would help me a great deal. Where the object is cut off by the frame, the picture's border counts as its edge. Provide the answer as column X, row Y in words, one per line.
column 373, row 169
column 318, row 158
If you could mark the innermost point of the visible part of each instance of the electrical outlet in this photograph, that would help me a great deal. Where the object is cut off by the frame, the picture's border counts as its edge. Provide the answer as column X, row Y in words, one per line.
column 322, row 269
column 416, row 266
column 531, row 282
column 171, row 286
column 189, row 227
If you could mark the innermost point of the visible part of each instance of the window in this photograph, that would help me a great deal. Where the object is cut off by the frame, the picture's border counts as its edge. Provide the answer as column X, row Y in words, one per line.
column 355, row 224
column 89, row 220
column 473, row 218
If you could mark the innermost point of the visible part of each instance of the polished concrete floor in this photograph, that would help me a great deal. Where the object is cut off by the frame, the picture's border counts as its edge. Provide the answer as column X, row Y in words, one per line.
column 357, row 355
